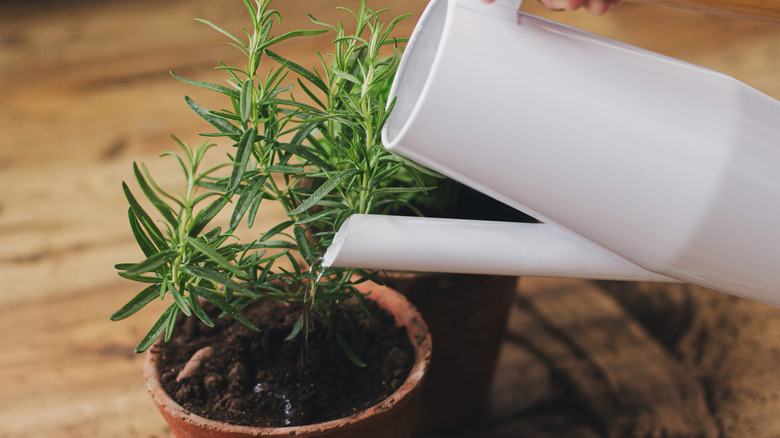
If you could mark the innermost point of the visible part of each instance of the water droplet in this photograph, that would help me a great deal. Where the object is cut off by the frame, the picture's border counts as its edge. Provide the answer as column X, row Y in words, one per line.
column 287, row 410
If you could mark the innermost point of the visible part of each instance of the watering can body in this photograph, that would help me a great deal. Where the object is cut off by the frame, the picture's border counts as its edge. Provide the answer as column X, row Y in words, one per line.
column 668, row 166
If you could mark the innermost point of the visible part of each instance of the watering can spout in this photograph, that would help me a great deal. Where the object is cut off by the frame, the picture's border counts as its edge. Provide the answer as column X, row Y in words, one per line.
column 416, row 244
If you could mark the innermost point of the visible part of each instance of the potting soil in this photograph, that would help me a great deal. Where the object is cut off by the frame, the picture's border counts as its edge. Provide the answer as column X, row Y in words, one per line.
column 254, row 378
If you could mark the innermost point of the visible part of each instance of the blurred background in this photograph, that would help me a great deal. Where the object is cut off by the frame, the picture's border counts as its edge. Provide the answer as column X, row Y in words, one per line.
column 85, row 90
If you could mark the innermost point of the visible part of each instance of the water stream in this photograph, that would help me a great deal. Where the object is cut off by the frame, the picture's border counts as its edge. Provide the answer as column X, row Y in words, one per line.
column 316, row 270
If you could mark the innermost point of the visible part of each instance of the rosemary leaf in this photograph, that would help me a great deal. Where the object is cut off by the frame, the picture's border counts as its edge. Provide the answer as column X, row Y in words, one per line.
column 146, row 245
column 209, row 86
column 245, row 102
column 213, row 255
column 220, row 302
column 220, row 123
column 296, row 329
column 178, row 298
column 305, row 73
column 138, row 302
column 197, row 309
column 206, row 215
column 158, row 203
column 244, row 152
column 349, row 351
column 218, row 278
column 303, row 244
column 323, row 190
column 156, row 330
column 153, row 263
column 144, row 220
column 253, row 190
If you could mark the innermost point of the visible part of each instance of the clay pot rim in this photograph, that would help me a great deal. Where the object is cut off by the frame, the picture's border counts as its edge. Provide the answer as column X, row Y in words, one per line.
column 388, row 299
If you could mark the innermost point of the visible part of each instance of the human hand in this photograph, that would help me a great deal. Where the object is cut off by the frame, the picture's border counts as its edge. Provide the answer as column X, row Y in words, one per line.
column 595, row 7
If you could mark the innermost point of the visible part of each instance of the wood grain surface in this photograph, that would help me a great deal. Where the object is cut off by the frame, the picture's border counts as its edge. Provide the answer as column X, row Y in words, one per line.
column 766, row 10
column 85, row 90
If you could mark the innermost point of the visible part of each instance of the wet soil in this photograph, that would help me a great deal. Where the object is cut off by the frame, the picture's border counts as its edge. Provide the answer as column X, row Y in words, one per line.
column 253, row 378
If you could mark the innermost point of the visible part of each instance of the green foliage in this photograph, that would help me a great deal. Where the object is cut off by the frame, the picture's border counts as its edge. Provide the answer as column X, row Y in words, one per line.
column 322, row 161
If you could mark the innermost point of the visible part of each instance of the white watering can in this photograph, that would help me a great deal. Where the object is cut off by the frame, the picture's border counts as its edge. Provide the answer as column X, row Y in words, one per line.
column 642, row 168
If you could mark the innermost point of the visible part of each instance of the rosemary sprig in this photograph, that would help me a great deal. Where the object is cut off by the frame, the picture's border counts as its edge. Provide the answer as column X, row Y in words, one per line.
column 321, row 161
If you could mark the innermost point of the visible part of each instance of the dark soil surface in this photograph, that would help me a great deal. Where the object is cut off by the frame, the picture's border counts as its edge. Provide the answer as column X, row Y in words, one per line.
column 254, row 379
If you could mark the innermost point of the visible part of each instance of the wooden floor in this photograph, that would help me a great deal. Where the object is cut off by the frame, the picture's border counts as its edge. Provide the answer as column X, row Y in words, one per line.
column 85, row 91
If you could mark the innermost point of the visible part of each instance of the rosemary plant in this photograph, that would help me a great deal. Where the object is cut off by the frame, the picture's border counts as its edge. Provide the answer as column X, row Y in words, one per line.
column 322, row 161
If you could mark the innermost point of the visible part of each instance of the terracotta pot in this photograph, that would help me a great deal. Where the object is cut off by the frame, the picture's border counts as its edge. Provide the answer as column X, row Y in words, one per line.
column 467, row 317
column 391, row 418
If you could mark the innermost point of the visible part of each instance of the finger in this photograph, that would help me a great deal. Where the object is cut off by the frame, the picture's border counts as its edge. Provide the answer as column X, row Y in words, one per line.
column 562, row 5
column 597, row 7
